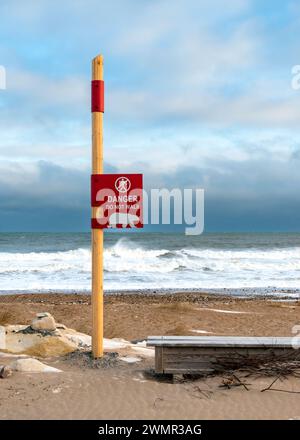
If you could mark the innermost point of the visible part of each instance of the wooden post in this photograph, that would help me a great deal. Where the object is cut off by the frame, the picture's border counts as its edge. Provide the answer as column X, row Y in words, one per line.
column 97, row 234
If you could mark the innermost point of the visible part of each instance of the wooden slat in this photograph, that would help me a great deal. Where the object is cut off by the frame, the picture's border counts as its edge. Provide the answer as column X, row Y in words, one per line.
column 170, row 359
column 188, row 365
column 217, row 352
column 220, row 341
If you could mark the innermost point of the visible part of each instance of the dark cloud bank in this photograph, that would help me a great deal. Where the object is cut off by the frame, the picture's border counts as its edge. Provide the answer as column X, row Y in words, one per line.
column 238, row 197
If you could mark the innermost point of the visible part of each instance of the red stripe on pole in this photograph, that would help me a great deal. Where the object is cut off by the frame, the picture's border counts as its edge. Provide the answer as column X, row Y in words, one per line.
column 96, row 225
column 97, row 95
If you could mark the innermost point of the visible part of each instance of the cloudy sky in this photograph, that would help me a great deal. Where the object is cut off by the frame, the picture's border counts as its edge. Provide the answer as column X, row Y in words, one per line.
column 198, row 94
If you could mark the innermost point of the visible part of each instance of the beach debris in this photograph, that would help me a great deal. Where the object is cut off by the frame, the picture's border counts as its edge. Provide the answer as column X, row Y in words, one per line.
column 227, row 382
column 267, row 363
column 198, row 392
column 43, row 322
column 5, row 371
column 31, row 365
column 270, row 386
column 233, row 381
column 158, row 399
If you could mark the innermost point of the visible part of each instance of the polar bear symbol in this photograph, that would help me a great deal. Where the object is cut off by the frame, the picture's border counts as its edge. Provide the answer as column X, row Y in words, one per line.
column 124, row 219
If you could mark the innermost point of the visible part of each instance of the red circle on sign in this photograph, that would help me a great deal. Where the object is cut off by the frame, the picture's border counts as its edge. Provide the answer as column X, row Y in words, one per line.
column 122, row 184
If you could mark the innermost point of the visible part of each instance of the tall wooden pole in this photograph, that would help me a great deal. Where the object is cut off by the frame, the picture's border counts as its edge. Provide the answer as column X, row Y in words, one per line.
column 97, row 234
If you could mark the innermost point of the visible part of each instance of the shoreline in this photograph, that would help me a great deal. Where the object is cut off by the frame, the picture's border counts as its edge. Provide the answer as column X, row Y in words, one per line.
column 260, row 293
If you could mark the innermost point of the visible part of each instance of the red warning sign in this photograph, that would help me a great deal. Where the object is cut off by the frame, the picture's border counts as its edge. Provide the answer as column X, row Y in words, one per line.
column 118, row 201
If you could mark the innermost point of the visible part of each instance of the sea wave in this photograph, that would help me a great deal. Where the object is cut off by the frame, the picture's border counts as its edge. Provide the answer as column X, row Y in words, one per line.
column 128, row 265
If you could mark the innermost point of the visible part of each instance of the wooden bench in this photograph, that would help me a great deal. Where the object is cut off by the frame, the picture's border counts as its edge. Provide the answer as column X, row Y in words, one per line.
column 203, row 354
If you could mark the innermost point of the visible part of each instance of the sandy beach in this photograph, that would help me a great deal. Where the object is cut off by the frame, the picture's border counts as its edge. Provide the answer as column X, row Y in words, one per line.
column 124, row 391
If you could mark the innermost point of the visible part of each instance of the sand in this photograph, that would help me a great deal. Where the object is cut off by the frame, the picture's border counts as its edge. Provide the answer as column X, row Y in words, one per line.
column 125, row 391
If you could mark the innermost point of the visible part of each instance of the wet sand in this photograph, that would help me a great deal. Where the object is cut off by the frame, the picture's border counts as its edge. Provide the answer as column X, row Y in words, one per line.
column 129, row 391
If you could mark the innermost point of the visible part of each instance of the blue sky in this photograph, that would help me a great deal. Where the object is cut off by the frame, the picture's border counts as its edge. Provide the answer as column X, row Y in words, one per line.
column 198, row 94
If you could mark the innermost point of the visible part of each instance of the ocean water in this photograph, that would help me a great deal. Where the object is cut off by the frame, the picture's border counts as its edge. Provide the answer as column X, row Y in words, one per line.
column 36, row 262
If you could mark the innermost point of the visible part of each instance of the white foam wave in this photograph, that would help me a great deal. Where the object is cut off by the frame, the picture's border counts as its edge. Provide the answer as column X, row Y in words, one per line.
column 128, row 266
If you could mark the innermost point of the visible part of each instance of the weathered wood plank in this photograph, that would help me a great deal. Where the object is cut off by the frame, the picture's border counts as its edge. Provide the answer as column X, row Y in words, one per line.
column 185, row 363
column 221, row 341
column 186, row 351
